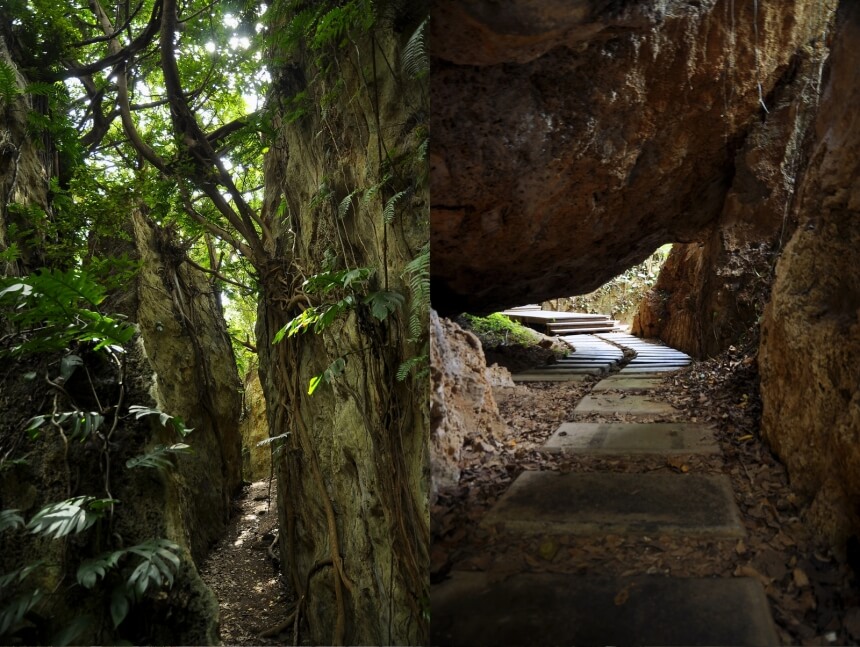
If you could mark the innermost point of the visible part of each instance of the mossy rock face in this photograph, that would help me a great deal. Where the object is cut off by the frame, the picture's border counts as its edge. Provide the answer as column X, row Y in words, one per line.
column 187, row 504
column 256, row 458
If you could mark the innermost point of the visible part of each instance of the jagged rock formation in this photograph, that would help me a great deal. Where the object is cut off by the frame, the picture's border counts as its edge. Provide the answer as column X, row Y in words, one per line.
column 710, row 293
column 461, row 399
column 256, row 459
column 570, row 132
column 810, row 350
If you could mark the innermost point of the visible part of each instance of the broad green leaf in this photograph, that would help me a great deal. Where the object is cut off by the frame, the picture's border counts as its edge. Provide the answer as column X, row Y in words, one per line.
column 383, row 303
column 119, row 605
column 65, row 517
column 91, row 570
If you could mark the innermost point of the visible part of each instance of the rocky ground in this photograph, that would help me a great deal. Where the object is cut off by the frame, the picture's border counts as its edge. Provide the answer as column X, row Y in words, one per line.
column 815, row 598
column 245, row 575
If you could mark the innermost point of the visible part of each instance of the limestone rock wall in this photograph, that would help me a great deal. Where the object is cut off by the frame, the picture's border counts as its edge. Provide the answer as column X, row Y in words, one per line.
column 572, row 139
column 186, row 345
column 256, row 460
column 353, row 474
column 810, row 348
column 461, row 399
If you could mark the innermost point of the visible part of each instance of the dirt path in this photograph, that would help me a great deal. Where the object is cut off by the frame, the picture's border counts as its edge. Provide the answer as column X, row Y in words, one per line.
column 813, row 598
column 243, row 575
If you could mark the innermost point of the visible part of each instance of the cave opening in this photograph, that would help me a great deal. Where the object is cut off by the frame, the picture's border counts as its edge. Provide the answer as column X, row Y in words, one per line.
column 570, row 485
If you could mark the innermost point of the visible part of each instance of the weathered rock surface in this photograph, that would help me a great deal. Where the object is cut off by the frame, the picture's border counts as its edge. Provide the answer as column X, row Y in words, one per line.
column 711, row 292
column 461, row 399
column 256, row 459
column 810, row 349
column 573, row 140
column 353, row 475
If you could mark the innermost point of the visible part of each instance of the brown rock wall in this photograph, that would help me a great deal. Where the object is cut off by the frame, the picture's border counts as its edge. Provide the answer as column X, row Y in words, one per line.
column 810, row 349
column 461, row 398
column 710, row 293
column 567, row 149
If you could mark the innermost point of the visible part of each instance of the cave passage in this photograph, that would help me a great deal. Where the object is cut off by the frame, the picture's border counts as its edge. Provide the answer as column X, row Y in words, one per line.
column 628, row 499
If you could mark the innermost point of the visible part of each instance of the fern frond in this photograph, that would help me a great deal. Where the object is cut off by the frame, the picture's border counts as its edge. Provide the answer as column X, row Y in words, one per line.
column 417, row 272
column 414, row 59
column 9, row 88
column 390, row 206
column 410, row 365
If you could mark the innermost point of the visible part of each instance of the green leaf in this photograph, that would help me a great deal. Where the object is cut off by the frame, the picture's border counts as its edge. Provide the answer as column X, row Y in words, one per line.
column 19, row 575
column 335, row 368
column 389, row 212
column 68, row 365
column 164, row 418
column 119, row 605
column 414, row 58
column 13, row 613
column 158, row 566
column 383, row 303
column 269, row 441
column 60, row 519
column 91, row 570
column 70, row 633
column 156, row 457
column 10, row 519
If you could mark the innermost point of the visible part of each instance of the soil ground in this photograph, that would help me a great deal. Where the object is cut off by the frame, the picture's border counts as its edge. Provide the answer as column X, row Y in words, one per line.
column 814, row 597
column 252, row 593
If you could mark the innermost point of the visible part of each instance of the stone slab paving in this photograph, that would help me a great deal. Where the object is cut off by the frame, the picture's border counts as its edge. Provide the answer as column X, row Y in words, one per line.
column 641, row 370
column 558, row 377
column 624, row 404
column 555, row 609
column 595, row 503
column 627, row 383
column 633, row 438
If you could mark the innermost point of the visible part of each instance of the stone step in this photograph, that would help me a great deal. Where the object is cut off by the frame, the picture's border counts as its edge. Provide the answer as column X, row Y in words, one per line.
column 623, row 404
column 556, row 609
column 630, row 383
column 648, row 369
column 595, row 503
column 632, row 438
column 554, row 377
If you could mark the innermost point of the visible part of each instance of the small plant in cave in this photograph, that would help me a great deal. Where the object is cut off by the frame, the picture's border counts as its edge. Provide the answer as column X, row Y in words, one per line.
column 498, row 330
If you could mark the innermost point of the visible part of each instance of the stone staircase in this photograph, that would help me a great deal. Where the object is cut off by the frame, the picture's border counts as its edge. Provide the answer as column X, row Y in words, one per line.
column 563, row 323
column 592, row 608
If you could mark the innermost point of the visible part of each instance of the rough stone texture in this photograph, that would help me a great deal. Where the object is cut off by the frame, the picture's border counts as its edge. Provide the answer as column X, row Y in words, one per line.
column 810, row 349
column 574, row 140
column 189, row 352
column 598, row 503
column 256, row 460
column 354, row 472
column 461, row 399
column 186, row 369
column 553, row 609
column 710, row 292
column 24, row 171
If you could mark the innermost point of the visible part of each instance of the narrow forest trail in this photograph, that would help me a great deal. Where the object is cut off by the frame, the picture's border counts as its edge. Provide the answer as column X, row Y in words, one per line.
column 241, row 570
column 632, row 521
